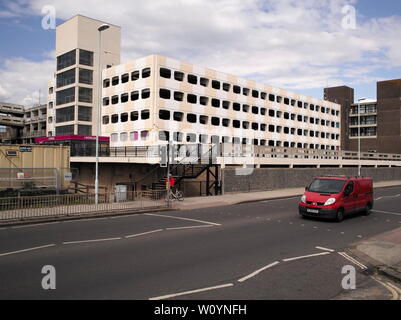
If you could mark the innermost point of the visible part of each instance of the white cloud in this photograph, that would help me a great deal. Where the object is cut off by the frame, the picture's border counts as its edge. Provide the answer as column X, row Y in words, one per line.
column 289, row 43
column 22, row 79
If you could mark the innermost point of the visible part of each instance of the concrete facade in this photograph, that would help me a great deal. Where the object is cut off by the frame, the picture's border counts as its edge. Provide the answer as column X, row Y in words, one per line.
column 380, row 126
column 270, row 179
column 73, row 92
column 154, row 99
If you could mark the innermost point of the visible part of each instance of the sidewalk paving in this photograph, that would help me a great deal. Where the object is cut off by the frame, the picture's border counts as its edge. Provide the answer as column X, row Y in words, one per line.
column 384, row 252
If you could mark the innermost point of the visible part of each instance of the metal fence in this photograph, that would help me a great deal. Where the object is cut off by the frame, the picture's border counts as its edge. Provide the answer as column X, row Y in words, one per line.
column 35, row 178
column 24, row 208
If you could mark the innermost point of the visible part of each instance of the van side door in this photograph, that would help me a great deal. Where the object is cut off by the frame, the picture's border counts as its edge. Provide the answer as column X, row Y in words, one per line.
column 349, row 197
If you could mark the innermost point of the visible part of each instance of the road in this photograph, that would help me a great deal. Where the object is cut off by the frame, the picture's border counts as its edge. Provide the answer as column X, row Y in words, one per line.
column 260, row 250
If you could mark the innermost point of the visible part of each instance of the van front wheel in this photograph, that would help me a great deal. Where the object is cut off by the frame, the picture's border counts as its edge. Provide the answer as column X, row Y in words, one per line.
column 340, row 215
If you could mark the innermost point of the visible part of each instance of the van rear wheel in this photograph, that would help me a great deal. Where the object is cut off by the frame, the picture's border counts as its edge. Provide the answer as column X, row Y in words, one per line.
column 340, row 215
column 367, row 209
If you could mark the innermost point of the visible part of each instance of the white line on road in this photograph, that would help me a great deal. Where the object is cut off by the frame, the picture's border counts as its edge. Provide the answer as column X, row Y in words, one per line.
column 349, row 258
column 395, row 196
column 142, row 234
column 94, row 240
column 180, row 218
column 388, row 212
column 191, row 292
column 25, row 250
column 325, row 249
column 190, row 227
column 308, row 256
column 253, row 274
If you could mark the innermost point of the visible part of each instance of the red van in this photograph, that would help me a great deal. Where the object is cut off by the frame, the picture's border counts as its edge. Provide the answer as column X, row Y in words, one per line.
column 334, row 197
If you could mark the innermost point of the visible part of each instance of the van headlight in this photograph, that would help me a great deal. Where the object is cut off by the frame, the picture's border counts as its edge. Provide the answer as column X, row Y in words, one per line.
column 303, row 199
column 330, row 201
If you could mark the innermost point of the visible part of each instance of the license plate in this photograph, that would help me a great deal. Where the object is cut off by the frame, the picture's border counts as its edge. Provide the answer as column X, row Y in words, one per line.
column 312, row 211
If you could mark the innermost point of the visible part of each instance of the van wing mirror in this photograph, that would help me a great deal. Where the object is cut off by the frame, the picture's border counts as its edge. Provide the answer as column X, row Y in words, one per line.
column 306, row 188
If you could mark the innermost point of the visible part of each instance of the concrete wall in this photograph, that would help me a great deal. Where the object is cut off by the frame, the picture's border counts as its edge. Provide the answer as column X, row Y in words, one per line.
column 274, row 178
column 111, row 174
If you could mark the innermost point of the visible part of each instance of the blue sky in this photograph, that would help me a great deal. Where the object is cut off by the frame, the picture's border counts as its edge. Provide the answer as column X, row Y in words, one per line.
column 297, row 45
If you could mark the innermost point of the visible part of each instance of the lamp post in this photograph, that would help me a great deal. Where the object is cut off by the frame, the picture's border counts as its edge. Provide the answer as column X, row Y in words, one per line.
column 359, row 135
column 100, row 29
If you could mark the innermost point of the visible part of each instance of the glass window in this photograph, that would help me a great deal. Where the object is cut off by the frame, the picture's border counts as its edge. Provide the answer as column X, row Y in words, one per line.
column 123, row 136
column 65, row 78
column 85, row 76
column 331, row 186
column 65, row 114
column 106, row 119
column 84, row 130
column 134, row 136
column 85, row 95
column 65, row 130
column 65, row 96
column 86, row 57
column 191, row 118
column 66, row 60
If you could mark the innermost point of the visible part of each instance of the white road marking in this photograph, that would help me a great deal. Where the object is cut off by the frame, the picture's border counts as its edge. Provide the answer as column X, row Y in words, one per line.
column 253, row 274
column 190, row 227
column 142, row 234
column 191, row 292
column 387, row 212
column 308, row 256
column 394, row 196
column 94, row 240
column 349, row 258
column 325, row 249
column 180, row 218
column 25, row 250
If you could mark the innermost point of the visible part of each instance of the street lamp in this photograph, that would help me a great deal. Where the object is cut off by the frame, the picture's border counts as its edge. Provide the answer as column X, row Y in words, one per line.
column 359, row 135
column 100, row 29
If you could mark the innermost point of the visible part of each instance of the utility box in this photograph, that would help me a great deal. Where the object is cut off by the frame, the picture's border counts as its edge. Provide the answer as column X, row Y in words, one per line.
column 120, row 193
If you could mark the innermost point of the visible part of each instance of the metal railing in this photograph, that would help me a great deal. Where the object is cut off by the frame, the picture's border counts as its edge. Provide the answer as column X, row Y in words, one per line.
column 28, row 207
column 229, row 150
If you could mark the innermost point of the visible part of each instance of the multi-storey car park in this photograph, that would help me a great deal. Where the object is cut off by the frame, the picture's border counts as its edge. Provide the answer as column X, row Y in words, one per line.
column 152, row 100
column 157, row 99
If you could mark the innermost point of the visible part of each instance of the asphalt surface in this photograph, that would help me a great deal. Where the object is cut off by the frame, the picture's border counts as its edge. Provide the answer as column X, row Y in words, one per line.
column 231, row 252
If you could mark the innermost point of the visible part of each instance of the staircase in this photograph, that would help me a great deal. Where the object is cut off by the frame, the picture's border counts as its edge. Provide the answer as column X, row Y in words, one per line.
column 190, row 166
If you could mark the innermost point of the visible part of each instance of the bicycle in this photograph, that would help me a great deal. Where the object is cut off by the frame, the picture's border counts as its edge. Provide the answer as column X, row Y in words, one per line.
column 177, row 195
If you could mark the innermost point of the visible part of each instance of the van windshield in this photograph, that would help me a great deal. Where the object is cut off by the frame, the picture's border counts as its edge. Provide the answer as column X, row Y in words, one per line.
column 331, row 186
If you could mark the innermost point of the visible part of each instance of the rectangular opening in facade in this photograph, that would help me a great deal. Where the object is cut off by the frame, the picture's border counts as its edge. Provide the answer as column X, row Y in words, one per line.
column 165, row 73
